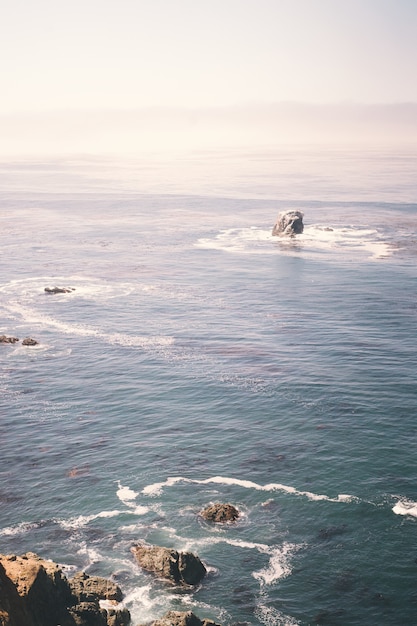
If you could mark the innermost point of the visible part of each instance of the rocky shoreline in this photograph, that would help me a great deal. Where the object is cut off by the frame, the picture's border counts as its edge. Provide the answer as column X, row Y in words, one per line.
column 35, row 591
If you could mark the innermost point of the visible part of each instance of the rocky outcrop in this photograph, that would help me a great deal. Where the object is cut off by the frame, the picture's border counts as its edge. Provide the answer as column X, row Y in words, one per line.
column 220, row 513
column 87, row 588
column 12, row 609
column 182, row 568
column 182, row 618
column 289, row 223
column 59, row 289
column 5, row 339
column 35, row 592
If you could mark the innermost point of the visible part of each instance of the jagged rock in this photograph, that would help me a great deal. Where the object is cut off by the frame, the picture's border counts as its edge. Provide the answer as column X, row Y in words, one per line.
column 42, row 587
column 118, row 617
column 59, row 289
column 35, row 592
column 87, row 588
column 289, row 223
column 182, row 618
column 220, row 513
column 12, row 609
column 178, row 567
column 88, row 614
column 29, row 342
column 5, row 339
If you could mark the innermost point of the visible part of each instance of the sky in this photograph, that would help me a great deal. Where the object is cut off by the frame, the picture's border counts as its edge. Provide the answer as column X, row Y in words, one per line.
column 68, row 57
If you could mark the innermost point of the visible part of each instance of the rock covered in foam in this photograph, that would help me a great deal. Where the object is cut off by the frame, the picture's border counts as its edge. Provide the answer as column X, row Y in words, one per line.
column 182, row 568
column 289, row 223
column 59, row 289
column 35, row 592
column 220, row 513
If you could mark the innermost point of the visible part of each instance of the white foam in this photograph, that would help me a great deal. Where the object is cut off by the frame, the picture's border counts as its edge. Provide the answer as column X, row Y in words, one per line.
column 82, row 286
column 314, row 240
column 18, row 529
column 126, row 495
column 156, row 488
column 405, row 507
column 270, row 616
column 82, row 520
column 33, row 317
column 278, row 566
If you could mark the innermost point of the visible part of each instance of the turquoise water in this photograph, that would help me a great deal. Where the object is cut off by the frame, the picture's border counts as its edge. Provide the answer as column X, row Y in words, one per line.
column 198, row 359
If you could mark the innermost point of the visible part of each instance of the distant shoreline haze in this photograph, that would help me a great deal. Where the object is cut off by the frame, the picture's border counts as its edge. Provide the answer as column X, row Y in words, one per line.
column 175, row 128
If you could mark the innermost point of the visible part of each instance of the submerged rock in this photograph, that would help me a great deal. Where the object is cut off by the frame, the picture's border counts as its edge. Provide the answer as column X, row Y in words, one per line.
column 35, row 592
column 220, row 513
column 289, row 223
column 5, row 339
column 182, row 618
column 178, row 567
column 29, row 342
column 59, row 289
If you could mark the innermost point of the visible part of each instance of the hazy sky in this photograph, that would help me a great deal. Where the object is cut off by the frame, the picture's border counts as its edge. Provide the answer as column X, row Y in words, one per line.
column 112, row 54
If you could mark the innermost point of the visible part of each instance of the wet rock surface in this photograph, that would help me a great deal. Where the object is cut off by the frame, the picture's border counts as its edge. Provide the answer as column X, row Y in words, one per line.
column 289, row 223
column 182, row 618
column 220, row 513
column 182, row 568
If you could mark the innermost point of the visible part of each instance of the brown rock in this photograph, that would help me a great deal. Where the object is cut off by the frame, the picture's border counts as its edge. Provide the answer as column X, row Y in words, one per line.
column 178, row 567
column 180, row 618
column 87, row 588
column 5, row 339
column 29, row 342
column 220, row 513
column 12, row 609
column 59, row 289
column 35, row 592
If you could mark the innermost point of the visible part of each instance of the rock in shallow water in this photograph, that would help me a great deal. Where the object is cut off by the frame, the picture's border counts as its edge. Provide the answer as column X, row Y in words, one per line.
column 220, row 513
column 29, row 342
column 182, row 618
column 59, row 289
column 289, row 223
column 178, row 567
column 5, row 339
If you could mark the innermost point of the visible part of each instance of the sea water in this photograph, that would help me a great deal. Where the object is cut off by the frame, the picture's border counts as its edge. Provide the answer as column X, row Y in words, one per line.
column 198, row 359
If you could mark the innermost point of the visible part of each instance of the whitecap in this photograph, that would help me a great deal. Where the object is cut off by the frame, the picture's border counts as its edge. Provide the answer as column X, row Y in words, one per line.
column 18, row 529
column 314, row 241
column 82, row 520
column 156, row 488
column 279, row 564
column 405, row 507
column 126, row 495
column 270, row 616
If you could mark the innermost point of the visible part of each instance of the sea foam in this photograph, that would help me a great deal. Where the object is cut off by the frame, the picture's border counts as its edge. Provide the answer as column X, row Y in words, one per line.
column 157, row 488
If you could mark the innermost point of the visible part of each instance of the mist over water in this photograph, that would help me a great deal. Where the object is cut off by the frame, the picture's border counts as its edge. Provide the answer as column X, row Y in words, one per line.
column 199, row 359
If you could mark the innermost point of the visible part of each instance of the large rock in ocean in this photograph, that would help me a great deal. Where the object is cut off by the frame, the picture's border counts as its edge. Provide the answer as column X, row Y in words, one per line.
column 182, row 568
column 35, row 592
column 289, row 223
column 220, row 513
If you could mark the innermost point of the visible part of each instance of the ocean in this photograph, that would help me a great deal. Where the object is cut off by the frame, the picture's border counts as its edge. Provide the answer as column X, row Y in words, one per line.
column 198, row 359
